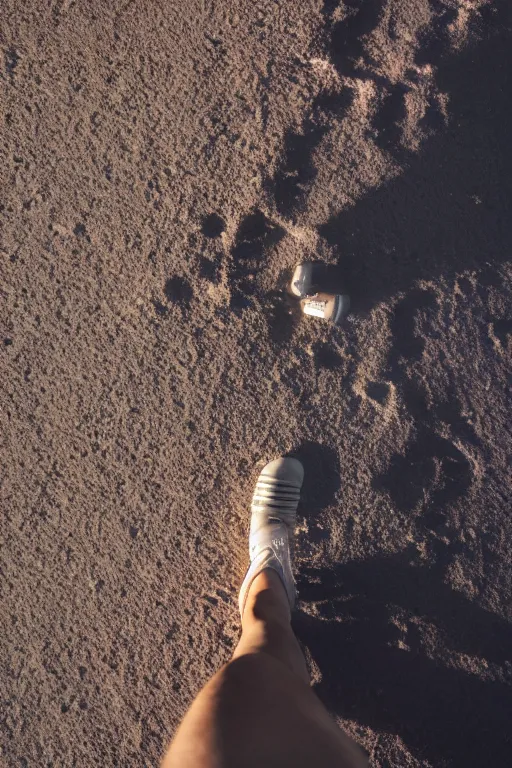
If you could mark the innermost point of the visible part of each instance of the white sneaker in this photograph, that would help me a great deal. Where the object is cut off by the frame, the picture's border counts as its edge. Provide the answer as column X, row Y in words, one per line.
column 273, row 515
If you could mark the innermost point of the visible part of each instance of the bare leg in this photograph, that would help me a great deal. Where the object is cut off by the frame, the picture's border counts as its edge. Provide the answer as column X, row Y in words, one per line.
column 259, row 710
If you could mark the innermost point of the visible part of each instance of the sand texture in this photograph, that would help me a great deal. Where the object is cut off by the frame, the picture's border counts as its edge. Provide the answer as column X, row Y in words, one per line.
column 164, row 165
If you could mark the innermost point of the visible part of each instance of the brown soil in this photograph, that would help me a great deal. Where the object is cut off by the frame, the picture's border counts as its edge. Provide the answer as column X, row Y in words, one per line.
column 164, row 166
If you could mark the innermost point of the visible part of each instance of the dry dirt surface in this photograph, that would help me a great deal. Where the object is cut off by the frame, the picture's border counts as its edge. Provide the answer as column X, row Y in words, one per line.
column 164, row 165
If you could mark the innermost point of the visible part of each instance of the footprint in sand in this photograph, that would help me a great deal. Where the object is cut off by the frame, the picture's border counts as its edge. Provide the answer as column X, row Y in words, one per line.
column 500, row 333
column 256, row 235
column 347, row 35
column 178, row 291
column 254, row 241
column 433, row 472
column 213, row 225
column 297, row 172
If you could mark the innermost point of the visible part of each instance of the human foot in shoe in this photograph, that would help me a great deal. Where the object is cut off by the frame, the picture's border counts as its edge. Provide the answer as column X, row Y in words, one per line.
column 273, row 516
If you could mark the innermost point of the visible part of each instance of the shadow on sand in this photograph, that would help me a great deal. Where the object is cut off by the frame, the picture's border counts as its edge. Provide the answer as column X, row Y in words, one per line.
column 376, row 624
column 401, row 651
column 398, row 649
column 449, row 210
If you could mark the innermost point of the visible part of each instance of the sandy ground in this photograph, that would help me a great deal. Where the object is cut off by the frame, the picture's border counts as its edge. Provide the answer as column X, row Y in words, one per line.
column 163, row 167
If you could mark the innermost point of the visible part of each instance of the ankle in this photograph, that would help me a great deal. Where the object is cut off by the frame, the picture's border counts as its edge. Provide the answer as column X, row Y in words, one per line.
column 267, row 600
